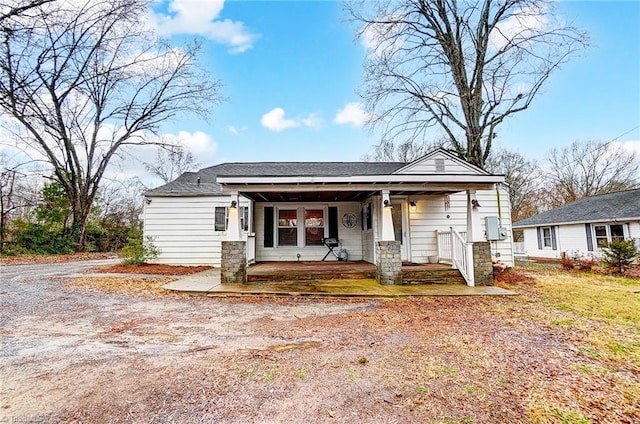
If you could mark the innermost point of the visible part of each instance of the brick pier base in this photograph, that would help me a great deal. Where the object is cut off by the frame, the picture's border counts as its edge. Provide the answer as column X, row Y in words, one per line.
column 234, row 262
column 389, row 266
column 482, row 264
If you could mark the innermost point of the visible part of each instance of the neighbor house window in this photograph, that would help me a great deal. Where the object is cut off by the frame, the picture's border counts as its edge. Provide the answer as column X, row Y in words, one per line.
column 617, row 232
column 220, row 222
column 287, row 227
column 601, row 235
column 608, row 233
column 313, row 227
column 546, row 237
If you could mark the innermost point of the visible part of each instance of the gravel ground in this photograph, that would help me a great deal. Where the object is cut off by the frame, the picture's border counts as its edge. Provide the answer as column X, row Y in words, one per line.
column 54, row 337
column 80, row 354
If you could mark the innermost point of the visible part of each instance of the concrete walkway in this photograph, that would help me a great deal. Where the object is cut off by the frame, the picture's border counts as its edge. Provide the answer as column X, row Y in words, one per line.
column 208, row 282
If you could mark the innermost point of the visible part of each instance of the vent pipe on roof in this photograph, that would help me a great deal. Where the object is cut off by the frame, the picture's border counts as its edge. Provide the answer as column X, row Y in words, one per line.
column 198, row 181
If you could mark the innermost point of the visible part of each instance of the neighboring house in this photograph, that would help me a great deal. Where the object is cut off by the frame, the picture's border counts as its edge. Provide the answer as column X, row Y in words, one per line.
column 283, row 210
column 584, row 226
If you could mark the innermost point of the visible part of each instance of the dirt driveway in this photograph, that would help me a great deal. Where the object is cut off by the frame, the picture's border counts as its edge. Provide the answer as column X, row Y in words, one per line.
column 80, row 355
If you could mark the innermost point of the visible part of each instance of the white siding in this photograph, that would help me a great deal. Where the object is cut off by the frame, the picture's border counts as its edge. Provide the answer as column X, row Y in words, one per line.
column 182, row 229
column 351, row 238
column 571, row 238
column 430, row 215
column 428, row 165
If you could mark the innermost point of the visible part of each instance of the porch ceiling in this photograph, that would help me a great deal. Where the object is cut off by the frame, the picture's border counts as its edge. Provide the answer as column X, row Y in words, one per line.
column 327, row 195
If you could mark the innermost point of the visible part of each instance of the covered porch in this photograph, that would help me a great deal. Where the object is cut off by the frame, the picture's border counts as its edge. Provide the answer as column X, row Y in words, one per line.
column 386, row 220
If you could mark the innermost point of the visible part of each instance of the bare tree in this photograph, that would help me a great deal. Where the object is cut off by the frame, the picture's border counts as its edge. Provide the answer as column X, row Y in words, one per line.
column 459, row 68
column 170, row 162
column 12, row 8
column 390, row 151
column 86, row 80
column 587, row 168
column 523, row 178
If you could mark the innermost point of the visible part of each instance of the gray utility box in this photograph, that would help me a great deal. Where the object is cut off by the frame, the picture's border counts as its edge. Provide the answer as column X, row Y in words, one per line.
column 493, row 230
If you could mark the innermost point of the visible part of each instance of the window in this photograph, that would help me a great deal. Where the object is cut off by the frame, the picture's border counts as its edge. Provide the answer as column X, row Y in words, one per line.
column 617, row 232
column 313, row 227
column 287, row 227
column 546, row 237
column 220, row 222
column 607, row 233
column 244, row 218
column 601, row 235
column 222, row 218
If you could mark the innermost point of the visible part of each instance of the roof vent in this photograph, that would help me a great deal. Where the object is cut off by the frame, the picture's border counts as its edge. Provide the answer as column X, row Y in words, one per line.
column 439, row 164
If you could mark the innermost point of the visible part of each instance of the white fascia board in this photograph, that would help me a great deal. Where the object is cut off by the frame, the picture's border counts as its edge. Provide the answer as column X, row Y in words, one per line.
column 372, row 179
column 618, row 220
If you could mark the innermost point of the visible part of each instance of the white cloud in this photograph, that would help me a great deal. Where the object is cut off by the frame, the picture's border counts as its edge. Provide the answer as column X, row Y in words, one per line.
column 519, row 27
column 352, row 114
column 312, row 121
column 233, row 130
column 274, row 120
column 632, row 146
column 199, row 17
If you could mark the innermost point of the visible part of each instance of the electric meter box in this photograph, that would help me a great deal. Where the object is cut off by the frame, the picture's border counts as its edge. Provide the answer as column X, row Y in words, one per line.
column 493, row 230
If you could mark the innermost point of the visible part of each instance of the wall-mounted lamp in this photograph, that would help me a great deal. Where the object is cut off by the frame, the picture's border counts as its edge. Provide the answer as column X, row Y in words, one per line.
column 412, row 206
column 386, row 203
column 198, row 181
column 234, row 204
column 475, row 203
column 148, row 201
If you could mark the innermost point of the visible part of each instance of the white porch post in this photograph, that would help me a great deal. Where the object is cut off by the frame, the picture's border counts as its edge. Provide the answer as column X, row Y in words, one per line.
column 233, row 231
column 474, row 229
column 387, row 233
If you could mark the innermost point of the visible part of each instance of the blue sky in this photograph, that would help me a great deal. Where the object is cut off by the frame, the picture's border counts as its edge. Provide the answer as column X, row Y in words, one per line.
column 290, row 68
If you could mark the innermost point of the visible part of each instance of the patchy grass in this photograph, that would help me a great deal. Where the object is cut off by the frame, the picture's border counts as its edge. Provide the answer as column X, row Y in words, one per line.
column 614, row 299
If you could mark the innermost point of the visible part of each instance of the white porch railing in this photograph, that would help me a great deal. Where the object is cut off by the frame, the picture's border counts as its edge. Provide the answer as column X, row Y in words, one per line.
column 251, row 249
column 453, row 249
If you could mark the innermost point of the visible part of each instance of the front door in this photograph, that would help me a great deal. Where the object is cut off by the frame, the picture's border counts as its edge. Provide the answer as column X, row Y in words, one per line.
column 398, row 214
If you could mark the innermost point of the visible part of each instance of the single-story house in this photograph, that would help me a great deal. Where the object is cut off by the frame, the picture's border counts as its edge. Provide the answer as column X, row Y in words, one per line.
column 584, row 226
column 436, row 209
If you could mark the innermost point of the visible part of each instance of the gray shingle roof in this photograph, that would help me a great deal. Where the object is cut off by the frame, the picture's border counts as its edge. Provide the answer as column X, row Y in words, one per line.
column 186, row 184
column 604, row 207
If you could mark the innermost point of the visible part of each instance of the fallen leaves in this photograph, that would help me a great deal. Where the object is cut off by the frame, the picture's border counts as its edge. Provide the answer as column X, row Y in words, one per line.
column 52, row 259
column 139, row 286
column 154, row 269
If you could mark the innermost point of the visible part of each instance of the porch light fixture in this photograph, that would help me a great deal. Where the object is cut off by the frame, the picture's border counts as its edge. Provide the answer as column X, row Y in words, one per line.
column 148, row 201
column 234, row 204
column 413, row 206
column 387, row 204
column 475, row 203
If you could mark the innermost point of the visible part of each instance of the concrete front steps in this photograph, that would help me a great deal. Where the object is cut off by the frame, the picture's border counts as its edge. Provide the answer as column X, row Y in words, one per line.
column 440, row 276
column 413, row 274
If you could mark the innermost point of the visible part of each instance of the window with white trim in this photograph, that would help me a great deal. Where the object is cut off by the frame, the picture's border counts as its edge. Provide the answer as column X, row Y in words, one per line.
column 287, row 227
column 601, row 235
column 221, row 220
column 313, row 227
column 607, row 233
column 547, row 240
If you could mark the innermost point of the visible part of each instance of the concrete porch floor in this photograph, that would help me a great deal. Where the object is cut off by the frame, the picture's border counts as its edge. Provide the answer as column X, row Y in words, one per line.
column 208, row 283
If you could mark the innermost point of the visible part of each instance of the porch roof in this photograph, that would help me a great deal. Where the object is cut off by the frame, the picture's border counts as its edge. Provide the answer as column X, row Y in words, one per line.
column 350, row 188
